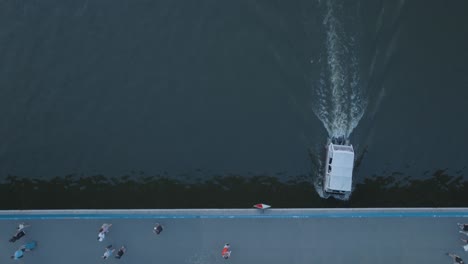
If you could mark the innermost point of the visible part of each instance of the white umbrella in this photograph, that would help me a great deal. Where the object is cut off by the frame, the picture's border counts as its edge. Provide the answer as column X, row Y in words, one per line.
column 261, row 206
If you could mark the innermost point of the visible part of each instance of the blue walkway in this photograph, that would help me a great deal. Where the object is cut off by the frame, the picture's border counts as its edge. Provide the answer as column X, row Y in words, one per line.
column 274, row 236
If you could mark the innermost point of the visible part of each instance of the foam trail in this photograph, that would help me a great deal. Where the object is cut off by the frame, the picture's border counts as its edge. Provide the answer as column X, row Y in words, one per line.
column 339, row 101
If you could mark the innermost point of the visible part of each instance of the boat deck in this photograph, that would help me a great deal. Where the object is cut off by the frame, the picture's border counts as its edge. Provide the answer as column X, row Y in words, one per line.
column 275, row 236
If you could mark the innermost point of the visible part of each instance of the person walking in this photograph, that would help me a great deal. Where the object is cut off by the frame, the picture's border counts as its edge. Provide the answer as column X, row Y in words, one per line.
column 226, row 252
column 22, row 226
column 465, row 247
column 108, row 253
column 29, row 246
column 121, row 252
column 103, row 231
column 463, row 227
column 158, row 228
column 19, row 234
column 101, row 236
column 18, row 254
column 456, row 259
column 105, row 228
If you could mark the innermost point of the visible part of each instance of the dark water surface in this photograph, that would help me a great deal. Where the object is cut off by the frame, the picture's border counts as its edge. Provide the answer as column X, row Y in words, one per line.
column 177, row 101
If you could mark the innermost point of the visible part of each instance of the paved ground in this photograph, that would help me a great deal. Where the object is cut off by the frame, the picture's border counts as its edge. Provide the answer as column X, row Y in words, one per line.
column 276, row 236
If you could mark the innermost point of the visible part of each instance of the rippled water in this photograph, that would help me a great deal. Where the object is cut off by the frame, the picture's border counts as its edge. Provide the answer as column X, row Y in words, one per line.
column 191, row 91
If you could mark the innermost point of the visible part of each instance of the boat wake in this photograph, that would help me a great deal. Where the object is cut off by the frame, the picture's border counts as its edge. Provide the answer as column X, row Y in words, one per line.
column 338, row 93
column 339, row 101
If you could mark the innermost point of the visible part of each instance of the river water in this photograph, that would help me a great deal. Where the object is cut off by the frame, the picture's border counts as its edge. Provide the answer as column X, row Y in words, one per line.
column 196, row 90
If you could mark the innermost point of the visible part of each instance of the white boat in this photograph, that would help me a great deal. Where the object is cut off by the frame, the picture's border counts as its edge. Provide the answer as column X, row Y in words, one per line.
column 339, row 167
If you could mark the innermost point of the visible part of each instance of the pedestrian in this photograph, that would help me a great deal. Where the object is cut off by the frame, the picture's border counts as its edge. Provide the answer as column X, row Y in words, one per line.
column 158, row 228
column 108, row 253
column 18, row 254
column 121, row 252
column 101, row 236
column 22, row 226
column 456, row 259
column 103, row 231
column 105, row 228
column 226, row 252
column 29, row 246
column 463, row 227
column 465, row 247
column 18, row 235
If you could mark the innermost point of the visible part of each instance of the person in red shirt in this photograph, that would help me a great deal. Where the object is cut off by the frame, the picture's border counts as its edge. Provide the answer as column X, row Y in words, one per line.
column 226, row 252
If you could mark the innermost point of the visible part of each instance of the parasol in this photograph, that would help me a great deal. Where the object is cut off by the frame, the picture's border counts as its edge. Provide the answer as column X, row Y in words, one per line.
column 262, row 206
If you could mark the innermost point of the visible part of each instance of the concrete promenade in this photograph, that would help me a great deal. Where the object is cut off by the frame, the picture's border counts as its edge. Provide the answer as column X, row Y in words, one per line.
column 275, row 236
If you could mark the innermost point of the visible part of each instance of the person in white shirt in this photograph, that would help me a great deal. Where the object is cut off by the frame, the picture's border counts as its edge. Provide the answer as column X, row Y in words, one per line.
column 465, row 247
column 226, row 252
column 22, row 226
column 101, row 236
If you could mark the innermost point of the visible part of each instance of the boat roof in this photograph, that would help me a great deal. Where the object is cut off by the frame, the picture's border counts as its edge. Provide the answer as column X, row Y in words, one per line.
column 342, row 168
column 342, row 148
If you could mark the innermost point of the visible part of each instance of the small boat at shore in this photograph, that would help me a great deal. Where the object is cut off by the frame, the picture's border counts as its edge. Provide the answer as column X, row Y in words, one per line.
column 339, row 166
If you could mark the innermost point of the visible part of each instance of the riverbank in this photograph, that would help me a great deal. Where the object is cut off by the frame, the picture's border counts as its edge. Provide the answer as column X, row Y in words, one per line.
column 99, row 192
